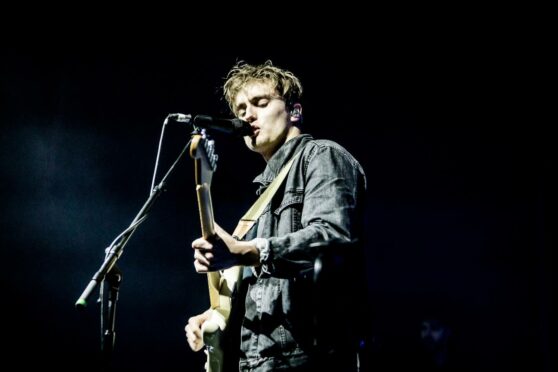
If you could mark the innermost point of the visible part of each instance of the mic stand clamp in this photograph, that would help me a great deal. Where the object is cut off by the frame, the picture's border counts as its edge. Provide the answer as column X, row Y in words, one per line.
column 108, row 311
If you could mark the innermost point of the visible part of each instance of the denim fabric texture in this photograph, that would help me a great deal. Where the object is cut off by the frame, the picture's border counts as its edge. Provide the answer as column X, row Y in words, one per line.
column 320, row 201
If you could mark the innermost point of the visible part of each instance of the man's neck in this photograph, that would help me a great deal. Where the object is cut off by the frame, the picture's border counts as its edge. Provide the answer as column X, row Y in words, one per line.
column 292, row 133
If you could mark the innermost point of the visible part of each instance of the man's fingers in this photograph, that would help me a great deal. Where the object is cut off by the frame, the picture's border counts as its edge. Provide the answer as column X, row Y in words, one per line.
column 201, row 268
column 193, row 336
column 201, row 243
column 202, row 257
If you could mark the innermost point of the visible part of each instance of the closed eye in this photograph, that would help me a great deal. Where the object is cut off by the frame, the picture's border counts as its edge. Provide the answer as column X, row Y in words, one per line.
column 262, row 102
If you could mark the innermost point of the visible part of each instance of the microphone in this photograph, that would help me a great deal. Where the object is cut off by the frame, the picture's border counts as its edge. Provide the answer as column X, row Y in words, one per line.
column 235, row 127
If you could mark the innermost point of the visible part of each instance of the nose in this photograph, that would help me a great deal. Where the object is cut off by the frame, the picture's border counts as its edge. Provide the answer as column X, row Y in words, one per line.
column 250, row 114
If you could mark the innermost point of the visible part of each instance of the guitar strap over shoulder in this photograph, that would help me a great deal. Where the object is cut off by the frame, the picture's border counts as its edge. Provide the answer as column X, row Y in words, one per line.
column 256, row 210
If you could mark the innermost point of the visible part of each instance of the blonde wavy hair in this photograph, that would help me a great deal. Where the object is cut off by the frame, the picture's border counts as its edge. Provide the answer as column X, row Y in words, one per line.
column 286, row 84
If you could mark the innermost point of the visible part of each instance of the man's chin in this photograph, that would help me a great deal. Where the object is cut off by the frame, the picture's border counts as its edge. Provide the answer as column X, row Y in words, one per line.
column 251, row 143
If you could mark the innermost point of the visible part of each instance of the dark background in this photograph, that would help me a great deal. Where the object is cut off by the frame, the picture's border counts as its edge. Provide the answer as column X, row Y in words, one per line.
column 457, row 212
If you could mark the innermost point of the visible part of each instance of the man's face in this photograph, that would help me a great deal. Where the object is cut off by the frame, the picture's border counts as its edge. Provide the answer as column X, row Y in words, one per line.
column 259, row 104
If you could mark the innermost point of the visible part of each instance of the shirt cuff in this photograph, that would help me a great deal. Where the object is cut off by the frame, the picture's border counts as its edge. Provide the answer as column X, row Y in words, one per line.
column 262, row 245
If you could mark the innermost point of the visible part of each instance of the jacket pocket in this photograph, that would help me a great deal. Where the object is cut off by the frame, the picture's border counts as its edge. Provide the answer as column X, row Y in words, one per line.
column 288, row 214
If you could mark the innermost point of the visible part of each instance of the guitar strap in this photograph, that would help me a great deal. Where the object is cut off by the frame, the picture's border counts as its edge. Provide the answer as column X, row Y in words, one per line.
column 256, row 210
column 219, row 288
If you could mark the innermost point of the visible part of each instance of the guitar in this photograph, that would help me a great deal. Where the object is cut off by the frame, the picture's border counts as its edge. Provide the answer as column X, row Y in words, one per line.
column 223, row 283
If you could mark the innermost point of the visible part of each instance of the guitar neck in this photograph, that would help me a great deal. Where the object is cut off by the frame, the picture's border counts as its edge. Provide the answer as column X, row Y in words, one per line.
column 202, row 151
column 208, row 230
column 206, row 210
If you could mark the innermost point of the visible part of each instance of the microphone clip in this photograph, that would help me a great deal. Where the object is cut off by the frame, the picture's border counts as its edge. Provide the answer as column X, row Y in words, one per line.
column 180, row 118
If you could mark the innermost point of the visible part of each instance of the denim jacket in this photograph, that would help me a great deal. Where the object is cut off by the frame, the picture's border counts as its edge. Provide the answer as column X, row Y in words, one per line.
column 319, row 202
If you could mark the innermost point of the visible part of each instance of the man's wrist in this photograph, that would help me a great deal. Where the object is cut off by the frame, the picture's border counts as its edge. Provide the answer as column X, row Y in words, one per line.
column 262, row 246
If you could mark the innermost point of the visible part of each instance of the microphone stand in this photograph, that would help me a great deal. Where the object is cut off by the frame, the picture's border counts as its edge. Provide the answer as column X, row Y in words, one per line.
column 111, row 276
column 108, row 313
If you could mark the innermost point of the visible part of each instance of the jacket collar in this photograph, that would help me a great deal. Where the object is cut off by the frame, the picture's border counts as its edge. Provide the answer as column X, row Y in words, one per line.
column 281, row 157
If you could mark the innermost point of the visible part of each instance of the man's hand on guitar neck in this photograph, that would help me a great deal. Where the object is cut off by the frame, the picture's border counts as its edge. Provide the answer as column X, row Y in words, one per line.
column 223, row 252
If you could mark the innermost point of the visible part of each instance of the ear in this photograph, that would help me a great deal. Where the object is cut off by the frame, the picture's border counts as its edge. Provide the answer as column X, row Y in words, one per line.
column 296, row 113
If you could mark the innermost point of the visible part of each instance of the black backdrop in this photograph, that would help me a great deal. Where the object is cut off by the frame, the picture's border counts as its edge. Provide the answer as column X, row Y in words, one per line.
column 457, row 214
